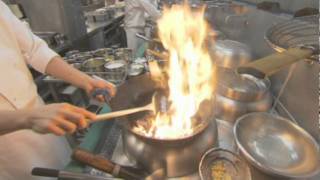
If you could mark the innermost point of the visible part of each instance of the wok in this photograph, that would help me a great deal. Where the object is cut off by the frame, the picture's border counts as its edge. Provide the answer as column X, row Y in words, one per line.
column 179, row 156
column 294, row 40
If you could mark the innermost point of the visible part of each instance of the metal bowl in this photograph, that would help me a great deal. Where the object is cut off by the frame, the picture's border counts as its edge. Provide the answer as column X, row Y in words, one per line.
column 223, row 164
column 230, row 54
column 94, row 65
column 277, row 146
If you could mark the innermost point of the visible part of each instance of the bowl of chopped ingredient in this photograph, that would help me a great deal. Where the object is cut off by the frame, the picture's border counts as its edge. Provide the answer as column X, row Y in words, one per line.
column 222, row 164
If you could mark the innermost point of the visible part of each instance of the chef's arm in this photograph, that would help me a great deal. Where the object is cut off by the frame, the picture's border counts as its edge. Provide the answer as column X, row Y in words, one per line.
column 37, row 54
column 58, row 68
column 150, row 9
column 58, row 119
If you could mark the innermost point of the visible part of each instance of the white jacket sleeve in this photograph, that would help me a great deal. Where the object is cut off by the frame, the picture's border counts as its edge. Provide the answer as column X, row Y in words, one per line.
column 150, row 9
column 36, row 51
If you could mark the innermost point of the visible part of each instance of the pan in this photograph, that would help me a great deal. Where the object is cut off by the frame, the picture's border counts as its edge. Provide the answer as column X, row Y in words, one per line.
column 294, row 40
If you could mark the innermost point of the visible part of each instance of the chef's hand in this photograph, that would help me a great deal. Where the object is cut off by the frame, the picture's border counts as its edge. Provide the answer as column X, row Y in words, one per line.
column 100, row 84
column 58, row 119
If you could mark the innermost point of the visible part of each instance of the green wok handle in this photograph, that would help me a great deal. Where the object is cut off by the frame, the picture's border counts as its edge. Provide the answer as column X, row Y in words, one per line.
column 271, row 64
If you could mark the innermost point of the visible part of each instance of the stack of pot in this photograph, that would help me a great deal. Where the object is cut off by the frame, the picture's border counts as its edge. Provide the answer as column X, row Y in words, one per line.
column 237, row 94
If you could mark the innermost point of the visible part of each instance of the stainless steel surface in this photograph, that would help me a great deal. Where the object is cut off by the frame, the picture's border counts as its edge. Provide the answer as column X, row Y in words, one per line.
column 94, row 65
column 234, row 167
column 301, row 97
column 245, row 88
column 277, row 146
column 103, row 52
column 178, row 157
column 61, row 16
column 225, row 136
column 230, row 54
column 65, row 175
column 229, row 109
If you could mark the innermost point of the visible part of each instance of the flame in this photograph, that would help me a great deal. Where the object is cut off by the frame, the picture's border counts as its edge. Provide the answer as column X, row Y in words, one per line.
column 183, row 33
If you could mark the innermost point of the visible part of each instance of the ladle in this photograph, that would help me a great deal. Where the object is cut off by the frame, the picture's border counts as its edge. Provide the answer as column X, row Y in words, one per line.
column 158, row 104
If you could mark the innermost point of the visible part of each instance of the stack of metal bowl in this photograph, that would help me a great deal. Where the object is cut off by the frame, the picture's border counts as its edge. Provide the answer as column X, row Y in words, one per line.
column 237, row 94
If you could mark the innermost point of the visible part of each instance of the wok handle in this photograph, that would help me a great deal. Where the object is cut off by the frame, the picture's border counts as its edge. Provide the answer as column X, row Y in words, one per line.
column 107, row 116
column 271, row 64
column 102, row 164
column 157, row 54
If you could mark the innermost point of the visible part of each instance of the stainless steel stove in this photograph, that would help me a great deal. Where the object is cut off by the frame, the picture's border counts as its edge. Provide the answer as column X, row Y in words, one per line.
column 112, row 149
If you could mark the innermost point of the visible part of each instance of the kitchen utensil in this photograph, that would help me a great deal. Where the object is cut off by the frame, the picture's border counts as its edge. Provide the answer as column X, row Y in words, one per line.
column 103, row 164
column 230, row 54
column 243, row 87
column 277, row 146
column 102, row 92
column 158, row 104
column 103, row 52
column 126, row 172
column 229, row 109
column 299, row 36
column 219, row 163
column 125, row 54
column 147, row 39
column 116, row 71
column 67, row 175
column 94, row 65
column 177, row 156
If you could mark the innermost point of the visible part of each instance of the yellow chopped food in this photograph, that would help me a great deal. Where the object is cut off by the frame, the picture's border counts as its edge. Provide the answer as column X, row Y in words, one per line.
column 219, row 172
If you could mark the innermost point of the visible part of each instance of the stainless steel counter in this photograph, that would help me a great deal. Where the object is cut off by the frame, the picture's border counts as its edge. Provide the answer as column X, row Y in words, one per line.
column 111, row 147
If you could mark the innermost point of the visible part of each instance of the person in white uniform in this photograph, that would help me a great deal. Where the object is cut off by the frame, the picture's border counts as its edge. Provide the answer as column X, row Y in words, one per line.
column 134, row 21
column 24, row 119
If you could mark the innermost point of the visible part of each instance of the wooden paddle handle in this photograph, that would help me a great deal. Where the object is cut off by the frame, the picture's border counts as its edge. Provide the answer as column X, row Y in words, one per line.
column 110, row 115
column 101, row 163
column 271, row 64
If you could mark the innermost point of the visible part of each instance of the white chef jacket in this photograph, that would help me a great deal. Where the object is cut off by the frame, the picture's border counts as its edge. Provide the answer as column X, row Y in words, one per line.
column 135, row 10
column 134, row 20
column 22, row 150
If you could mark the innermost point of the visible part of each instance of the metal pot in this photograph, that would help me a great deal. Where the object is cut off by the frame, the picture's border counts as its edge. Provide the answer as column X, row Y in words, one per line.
column 229, row 110
column 94, row 65
column 178, row 157
column 230, row 54
column 245, row 88
column 103, row 52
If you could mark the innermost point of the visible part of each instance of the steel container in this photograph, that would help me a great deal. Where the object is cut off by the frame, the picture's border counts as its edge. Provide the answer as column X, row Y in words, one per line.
column 230, row 54
column 94, row 65
column 178, row 157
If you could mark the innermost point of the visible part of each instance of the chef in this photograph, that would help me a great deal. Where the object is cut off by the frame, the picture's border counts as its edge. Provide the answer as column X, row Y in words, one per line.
column 134, row 20
column 30, row 130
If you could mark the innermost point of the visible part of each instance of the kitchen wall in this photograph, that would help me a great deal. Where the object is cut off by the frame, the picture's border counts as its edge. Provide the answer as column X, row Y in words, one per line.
column 289, row 5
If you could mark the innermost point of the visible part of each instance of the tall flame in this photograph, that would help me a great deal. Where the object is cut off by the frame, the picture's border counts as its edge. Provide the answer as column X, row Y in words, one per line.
column 183, row 32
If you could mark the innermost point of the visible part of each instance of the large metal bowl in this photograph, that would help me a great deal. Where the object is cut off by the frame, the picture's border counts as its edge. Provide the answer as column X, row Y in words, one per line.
column 277, row 146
